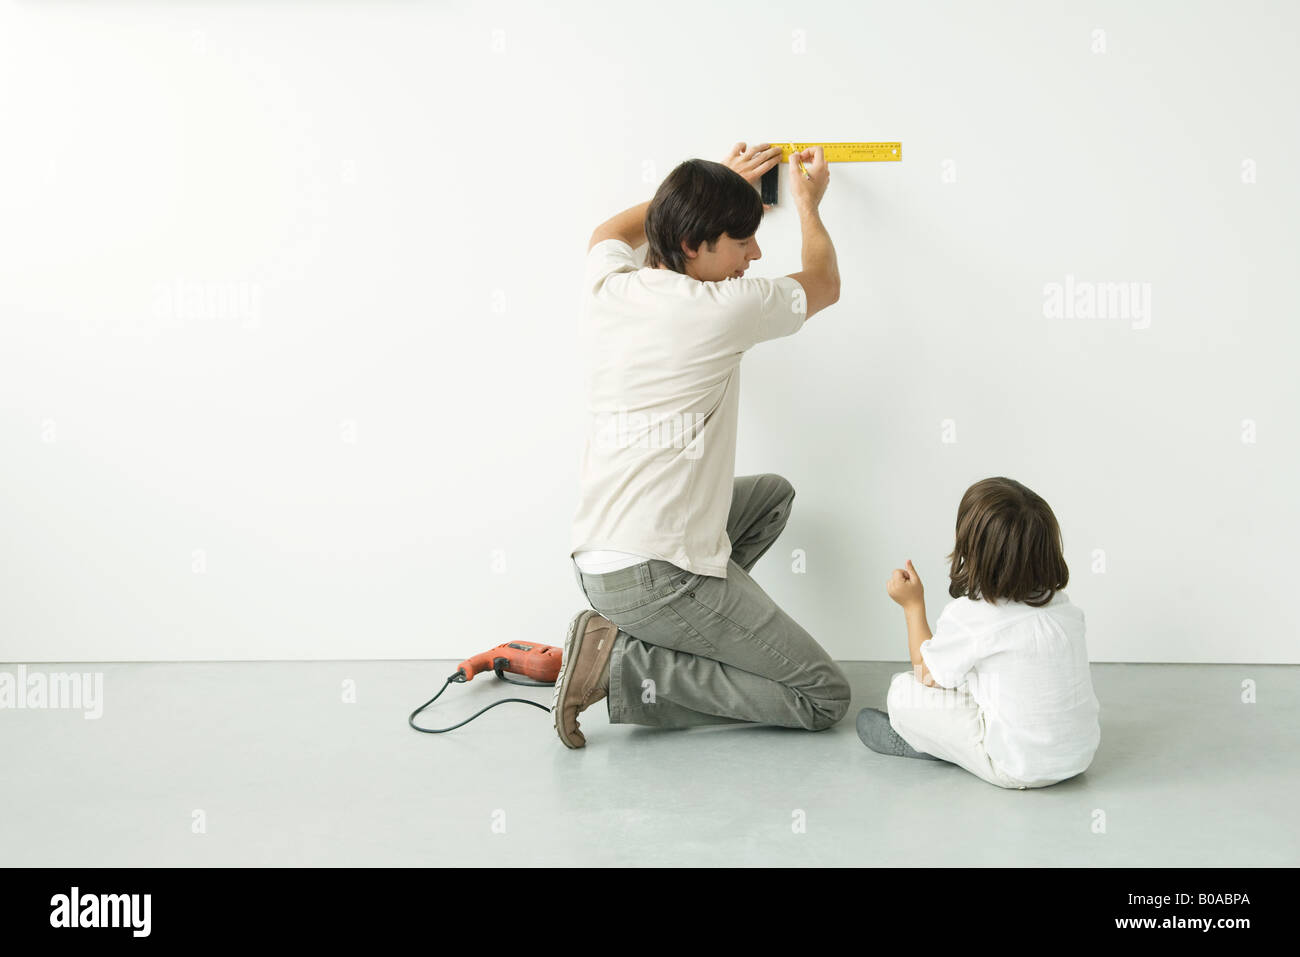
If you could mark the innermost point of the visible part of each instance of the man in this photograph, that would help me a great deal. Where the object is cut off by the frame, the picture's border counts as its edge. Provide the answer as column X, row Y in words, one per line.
column 679, row 634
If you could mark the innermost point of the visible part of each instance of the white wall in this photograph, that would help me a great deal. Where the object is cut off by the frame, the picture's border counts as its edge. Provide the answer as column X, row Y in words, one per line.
column 384, row 210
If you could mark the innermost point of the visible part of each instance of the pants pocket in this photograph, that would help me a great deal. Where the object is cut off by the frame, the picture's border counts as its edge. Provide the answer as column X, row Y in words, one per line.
column 630, row 605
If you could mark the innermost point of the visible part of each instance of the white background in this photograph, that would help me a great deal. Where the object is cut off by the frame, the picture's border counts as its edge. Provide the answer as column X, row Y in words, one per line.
column 362, row 439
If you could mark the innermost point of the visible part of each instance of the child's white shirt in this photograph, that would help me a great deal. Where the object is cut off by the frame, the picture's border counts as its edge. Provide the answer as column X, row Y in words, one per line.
column 1027, row 668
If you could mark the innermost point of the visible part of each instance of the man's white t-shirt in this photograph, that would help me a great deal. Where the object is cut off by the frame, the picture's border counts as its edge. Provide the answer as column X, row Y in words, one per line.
column 664, row 359
column 597, row 561
column 1027, row 668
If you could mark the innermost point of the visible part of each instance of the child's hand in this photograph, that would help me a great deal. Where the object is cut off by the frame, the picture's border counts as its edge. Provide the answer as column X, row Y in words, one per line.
column 905, row 587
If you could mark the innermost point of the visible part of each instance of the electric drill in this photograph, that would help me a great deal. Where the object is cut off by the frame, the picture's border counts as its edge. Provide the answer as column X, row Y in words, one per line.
column 539, row 662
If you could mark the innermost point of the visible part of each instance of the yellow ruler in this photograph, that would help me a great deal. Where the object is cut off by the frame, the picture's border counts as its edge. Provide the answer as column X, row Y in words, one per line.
column 834, row 153
column 846, row 152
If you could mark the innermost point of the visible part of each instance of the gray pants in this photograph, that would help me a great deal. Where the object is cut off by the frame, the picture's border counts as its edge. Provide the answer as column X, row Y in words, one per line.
column 698, row 649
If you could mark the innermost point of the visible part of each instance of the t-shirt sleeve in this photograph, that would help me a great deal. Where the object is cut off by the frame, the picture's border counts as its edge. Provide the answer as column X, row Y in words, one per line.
column 763, row 309
column 952, row 651
column 606, row 257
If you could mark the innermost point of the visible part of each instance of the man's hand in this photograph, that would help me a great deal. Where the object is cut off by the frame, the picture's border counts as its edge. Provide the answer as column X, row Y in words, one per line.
column 809, row 190
column 753, row 162
column 904, row 586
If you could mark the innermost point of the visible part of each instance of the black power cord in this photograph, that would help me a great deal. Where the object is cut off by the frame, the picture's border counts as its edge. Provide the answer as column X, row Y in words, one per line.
column 459, row 678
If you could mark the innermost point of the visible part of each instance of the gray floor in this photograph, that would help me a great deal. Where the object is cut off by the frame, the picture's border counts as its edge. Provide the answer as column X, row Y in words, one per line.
column 285, row 774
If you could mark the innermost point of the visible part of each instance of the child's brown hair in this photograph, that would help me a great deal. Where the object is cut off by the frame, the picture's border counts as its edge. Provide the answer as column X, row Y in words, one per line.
column 1008, row 545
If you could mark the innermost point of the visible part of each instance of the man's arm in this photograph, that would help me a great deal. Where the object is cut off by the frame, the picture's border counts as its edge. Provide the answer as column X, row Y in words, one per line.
column 628, row 226
column 820, row 276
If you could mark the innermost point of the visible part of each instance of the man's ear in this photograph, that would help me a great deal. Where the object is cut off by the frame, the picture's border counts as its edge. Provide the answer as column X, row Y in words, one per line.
column 690, row 253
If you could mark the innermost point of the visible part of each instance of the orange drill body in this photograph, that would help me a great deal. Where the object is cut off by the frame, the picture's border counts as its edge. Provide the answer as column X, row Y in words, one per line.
column 539, row 662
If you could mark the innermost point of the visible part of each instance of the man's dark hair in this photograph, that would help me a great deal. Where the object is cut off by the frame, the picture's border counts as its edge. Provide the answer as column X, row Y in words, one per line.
column 698, row 202
column 1008, row 545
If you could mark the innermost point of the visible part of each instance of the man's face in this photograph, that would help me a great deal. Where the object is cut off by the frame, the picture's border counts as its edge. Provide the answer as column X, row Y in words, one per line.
column 729, row 259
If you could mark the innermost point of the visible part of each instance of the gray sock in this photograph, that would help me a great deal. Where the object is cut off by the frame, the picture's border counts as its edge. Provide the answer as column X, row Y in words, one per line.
column 877, row 734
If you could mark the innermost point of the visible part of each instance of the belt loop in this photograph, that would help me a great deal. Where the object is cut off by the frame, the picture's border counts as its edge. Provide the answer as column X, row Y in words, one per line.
column 643, row 574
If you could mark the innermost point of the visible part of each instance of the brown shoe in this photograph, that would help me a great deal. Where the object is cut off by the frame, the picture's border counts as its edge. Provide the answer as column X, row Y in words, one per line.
column 582, row 680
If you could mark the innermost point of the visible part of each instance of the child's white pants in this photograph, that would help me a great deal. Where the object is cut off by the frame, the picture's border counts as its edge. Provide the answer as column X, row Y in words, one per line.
column 945, row 722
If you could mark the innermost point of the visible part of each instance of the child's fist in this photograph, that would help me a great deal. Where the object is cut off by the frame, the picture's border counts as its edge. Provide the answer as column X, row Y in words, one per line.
column 904, row 586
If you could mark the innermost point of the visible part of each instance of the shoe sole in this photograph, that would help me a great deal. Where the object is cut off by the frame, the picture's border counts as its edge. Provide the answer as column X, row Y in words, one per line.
column 572, row 648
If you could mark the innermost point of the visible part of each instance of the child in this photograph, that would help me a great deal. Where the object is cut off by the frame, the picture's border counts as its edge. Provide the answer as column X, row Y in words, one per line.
column 1002, row 688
